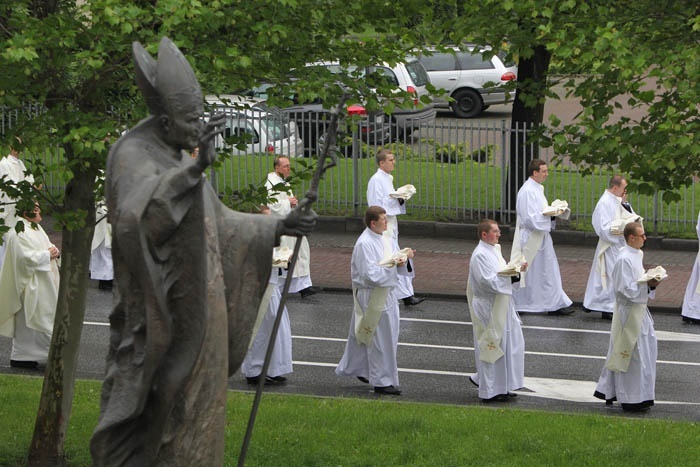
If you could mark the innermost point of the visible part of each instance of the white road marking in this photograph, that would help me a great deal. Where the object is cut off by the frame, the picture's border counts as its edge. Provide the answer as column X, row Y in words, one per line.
column 660, row 335
column 467, row 349
column 546, row 388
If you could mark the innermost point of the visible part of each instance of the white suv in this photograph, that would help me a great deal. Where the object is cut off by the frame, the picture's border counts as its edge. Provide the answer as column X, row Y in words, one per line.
column 409, row 76
column 463, row 73
column 257, row 129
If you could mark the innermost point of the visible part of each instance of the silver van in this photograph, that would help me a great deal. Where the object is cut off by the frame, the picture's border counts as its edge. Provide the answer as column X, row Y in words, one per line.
column 472, row 82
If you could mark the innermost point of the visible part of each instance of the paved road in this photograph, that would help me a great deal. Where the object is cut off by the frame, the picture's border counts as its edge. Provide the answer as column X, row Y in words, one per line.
column 563, row 360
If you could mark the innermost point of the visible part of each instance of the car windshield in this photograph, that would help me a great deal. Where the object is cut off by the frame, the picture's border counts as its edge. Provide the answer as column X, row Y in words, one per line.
column 276, row 128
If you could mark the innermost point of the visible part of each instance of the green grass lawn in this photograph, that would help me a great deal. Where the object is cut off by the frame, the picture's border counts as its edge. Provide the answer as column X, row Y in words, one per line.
column 463, row 192
column 310, row 431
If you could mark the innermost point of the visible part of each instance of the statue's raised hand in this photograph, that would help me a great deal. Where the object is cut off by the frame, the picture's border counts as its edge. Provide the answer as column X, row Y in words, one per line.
column 301, row 220
column 210, row 129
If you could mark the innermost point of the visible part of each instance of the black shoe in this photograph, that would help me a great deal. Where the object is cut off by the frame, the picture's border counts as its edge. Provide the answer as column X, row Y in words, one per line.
column 412, row 300
column 471, row 380
column 309, row 291
column 606, row 315
column 602, row 396
column 27, row 364
column 269, row 380
column 562, row 312
column 638, row 407
column 498, row 398
column 105, row 285
column 389, row 390
column 363, row 379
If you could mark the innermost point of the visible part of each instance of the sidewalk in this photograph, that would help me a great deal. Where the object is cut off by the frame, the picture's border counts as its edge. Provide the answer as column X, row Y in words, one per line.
column 443, row 251
column 442, row 259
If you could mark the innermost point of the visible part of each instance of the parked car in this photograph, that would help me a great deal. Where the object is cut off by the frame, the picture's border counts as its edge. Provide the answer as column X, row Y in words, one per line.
column 253, row 128
column 464, row 74
column 409, row 76
column 311, row 119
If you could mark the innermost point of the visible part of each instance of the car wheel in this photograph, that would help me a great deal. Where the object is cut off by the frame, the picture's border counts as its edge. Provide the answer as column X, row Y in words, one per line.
column 467, row 103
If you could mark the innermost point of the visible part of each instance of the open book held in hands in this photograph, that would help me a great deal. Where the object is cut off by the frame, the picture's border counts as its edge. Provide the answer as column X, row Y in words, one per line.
column 281, row 256
column 557, row 208
column 404, row 192
column 618, row 225
column 658, row 273
column 399, row 257
column 513, row 268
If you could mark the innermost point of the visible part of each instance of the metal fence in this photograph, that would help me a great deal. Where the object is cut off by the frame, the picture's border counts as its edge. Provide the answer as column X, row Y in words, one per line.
column 460, row 170
column 458, row 166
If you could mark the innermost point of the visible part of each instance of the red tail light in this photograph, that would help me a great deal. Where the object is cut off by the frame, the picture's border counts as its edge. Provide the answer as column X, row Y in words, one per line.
column 356, row 109
column 508, row 76
column 412, row 90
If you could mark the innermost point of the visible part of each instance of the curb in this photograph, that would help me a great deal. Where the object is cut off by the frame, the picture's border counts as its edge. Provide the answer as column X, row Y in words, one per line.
column 436, row 229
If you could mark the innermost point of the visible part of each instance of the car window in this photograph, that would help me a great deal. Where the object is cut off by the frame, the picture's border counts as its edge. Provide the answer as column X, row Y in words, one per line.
column 508, row 63
column 439, row 62
column 384, row 73
column 417, row 73
column 469, row 61
column 276, row 129
column 242, row 130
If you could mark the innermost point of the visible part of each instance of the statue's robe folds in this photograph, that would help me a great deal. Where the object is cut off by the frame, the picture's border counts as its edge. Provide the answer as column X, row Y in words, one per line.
column 189, row 276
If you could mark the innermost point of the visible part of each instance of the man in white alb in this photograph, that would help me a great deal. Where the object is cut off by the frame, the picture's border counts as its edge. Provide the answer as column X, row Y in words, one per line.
column 375, row 267
column 379, row 190
column 101, row 267
column 284, row 201
column 13, row 169
column 29, row 281
column 499, row 346
column 281, row 358
column 609, row 220
column 690, row 311
column 540, row 289
column 629, row 375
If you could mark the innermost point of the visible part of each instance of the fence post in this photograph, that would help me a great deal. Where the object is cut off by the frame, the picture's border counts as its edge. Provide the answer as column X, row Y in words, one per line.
column 356, row 147
column 505, row 213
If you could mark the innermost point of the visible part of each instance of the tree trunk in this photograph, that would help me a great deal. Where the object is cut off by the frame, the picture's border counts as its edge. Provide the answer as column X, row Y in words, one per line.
column 526, row 119
column 59, row 379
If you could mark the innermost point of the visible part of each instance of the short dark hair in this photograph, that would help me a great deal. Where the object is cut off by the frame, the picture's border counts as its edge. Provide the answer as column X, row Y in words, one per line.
column 631, row 229
column 616, row 180
column 372, row 214
column 484, row 226
column 534, row 166
column 381, row 155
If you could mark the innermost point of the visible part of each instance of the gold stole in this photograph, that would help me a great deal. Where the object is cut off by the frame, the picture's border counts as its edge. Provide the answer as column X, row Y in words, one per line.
column 624, row 338
column 533, row 244
column 600, row 262
column 366, row 321
column 489, row 337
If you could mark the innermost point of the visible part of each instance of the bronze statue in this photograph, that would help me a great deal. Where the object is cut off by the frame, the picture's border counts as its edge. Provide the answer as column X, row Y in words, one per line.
column 189, row 276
